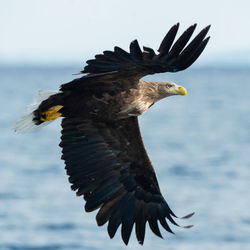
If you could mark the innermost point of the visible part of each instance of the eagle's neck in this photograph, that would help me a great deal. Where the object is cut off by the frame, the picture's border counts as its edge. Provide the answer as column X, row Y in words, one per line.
column 148, row 90
column 137, row 100
column 152, row 91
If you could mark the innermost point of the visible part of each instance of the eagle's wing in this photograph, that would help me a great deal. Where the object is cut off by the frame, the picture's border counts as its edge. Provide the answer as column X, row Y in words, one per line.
column 108, row 165
column 126, row 68
column 172, row 56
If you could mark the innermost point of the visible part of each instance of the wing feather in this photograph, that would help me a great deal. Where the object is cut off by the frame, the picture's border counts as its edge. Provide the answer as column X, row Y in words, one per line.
column 147, row 62
column 168, row 40
column 109, row 166
column 140, row 221
column 119, row 65
column 181, row 42
column 194, row 44
column 191, row 59
column 122, row 54
column 135, row 51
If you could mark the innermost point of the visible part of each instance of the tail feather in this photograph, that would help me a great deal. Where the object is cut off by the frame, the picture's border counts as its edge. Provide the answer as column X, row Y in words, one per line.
column 26, row 124
column 31, row 121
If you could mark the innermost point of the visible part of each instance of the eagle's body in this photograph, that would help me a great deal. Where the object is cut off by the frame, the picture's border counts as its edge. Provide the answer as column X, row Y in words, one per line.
column 104, row 101
column 101, row 142
column 114, row 101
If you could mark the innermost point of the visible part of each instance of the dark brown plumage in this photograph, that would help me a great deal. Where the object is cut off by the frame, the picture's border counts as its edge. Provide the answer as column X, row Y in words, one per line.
column 101, row 143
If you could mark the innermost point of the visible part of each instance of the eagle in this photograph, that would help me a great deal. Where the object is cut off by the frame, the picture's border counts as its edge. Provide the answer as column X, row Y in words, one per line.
column 102, row 147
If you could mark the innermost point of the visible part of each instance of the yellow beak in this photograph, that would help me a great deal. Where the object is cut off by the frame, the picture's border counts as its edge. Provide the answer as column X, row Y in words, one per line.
column 179, row 90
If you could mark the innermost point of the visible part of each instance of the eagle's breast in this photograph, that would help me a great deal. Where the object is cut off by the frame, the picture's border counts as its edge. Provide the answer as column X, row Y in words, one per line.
column 135, row 108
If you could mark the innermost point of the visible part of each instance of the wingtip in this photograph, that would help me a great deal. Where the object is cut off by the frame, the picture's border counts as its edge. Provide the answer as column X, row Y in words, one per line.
column 192, row 27
column 125, row 241
column 188, row 226
column 188, row 216
column 207, row 39
column 140, row 242
column 75, row 74
column 175, row 27
column 134, row 41
column 134, row 44
column 208, row 27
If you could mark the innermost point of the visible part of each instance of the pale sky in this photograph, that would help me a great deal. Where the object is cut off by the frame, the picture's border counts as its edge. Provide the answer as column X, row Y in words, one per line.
column 72, row 31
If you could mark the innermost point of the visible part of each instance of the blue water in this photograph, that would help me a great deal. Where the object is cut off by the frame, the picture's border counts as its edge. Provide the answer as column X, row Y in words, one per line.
column 199, row 144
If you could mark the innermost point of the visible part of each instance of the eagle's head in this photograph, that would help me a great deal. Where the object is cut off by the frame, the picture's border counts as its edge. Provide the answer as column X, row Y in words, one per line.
column 166, row 89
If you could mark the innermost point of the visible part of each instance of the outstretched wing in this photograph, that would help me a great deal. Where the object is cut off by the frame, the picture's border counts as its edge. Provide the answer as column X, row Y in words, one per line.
column 172, row 57
column 124, row 69
column 108, row 165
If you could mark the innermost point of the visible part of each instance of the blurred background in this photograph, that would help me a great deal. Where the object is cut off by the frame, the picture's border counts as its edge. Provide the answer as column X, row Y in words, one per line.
column 200, row 144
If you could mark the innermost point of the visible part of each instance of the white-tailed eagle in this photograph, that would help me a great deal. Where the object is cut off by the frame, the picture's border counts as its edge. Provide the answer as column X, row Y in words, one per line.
column 101, row 142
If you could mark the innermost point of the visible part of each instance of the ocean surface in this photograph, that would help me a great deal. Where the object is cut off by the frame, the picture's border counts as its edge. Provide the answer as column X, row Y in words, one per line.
column 199, row 144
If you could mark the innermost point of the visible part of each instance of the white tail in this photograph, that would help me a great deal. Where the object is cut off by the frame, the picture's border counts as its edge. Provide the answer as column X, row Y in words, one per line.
column 26, row 123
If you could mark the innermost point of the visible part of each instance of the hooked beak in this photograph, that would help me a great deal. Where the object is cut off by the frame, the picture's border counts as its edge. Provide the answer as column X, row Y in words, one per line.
column 179, row 90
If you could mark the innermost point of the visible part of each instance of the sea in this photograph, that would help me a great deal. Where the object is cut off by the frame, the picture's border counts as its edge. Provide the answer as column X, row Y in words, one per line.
column 199, row 145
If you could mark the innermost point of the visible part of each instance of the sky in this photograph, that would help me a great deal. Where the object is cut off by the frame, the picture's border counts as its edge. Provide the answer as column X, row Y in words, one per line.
column 72, row 31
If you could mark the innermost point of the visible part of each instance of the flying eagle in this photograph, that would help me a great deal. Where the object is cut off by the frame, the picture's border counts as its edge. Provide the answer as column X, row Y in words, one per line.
column 101, row 142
